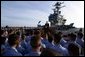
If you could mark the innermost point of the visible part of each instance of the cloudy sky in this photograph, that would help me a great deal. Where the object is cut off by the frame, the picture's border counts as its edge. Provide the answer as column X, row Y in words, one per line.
column 28, row 13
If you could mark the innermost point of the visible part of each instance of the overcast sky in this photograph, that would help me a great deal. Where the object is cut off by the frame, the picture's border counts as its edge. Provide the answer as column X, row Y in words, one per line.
column 28, row 13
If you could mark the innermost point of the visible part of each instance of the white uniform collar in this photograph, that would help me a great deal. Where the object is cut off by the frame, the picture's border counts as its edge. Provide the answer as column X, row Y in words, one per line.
column 14, row 49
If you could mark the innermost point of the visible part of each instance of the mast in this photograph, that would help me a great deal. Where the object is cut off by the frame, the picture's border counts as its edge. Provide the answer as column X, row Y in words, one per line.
column 56, row 18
